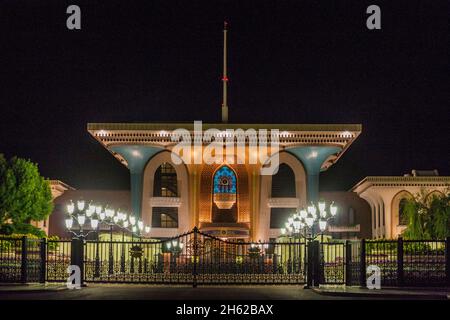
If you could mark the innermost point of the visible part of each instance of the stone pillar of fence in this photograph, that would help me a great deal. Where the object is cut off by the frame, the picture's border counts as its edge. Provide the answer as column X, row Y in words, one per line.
column 24, row 260
column 447, row 260
column 314, row 264
column 348, row 263
column 42, row 260
column 77, row 256
column 362, row 264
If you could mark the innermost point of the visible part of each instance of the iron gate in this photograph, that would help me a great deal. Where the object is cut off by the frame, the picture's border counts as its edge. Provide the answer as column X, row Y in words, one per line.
column 195, row 258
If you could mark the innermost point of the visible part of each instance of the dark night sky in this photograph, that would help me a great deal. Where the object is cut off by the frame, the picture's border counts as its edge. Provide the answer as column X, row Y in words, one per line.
column 289, row 62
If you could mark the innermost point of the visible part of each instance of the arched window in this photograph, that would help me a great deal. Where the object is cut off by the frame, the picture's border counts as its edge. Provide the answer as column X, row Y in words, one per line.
column 165, row 183
column 402, row 214
column 224, row 180
column 283, row 183
column 224, row 187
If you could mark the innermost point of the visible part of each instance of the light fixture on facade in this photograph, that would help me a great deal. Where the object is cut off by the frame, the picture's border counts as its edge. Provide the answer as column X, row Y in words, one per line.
column 346, row 134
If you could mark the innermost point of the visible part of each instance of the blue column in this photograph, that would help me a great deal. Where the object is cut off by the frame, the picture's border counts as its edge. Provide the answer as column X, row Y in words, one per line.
column 137, row 158
column 312, row 158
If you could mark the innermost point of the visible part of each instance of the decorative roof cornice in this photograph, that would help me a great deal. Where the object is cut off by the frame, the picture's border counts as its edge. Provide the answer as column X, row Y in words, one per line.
column 159, row 134
column 290, row 135
column 399, row 181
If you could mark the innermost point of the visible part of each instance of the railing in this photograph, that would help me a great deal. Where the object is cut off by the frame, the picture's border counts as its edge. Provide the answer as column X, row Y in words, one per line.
column 198, row 258
column 21, row 260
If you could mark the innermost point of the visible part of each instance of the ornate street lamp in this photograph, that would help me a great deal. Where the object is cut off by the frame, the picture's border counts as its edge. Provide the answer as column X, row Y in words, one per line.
column 78, row 216
column 310, row 222
column 82, row 215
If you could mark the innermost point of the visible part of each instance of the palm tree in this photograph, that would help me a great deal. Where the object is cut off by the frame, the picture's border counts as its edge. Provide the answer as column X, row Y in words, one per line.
column 428, row 218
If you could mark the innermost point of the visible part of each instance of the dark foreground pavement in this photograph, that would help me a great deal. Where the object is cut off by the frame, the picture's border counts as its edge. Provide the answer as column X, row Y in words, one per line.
column 159, row 292
column 388, row 293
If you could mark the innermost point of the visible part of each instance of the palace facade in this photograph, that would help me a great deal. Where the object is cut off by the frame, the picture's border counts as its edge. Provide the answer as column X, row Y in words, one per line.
column 227, row 199
column 235, row 198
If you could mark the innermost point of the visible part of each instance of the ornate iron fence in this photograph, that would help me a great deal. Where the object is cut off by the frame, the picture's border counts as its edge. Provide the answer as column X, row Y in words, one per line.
column 198, row 258
column 21, row 260
column 58, row 258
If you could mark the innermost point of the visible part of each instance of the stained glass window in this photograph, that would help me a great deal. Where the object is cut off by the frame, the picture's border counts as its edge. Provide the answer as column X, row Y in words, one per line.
column 225, row 180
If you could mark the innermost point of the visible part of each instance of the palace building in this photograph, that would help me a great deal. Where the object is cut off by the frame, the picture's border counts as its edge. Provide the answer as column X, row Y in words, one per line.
column 229, row 198
column 232, row 197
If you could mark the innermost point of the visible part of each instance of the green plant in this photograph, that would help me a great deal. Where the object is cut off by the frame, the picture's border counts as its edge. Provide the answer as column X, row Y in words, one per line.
column 25, row 196
column 428, row 217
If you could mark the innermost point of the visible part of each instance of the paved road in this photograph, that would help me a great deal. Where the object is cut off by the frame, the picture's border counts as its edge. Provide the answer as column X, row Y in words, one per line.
column 157, row 292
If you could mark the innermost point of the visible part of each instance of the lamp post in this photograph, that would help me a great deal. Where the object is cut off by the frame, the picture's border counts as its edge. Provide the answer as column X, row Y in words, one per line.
column 308, row 224
column 174, row 247
column 305, row 223
column 81, row 215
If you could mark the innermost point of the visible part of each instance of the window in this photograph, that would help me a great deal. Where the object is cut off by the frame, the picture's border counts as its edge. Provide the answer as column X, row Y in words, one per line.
column 279, row 216
column 224, row 180
column 283, row 183
column 165, row 183
column 224, row 188
column 163, row 217
column 402, row 214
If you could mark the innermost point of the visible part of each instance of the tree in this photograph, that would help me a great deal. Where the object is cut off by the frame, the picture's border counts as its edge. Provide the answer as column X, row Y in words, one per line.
column 428, row 217
column 25, row 196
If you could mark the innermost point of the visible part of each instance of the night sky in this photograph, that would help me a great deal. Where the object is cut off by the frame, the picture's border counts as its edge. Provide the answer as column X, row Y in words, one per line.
column 289, row 62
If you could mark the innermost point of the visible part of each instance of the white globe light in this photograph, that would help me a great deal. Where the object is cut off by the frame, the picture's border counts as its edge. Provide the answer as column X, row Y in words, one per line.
column 116, row 219
column 333, row 209
column 283, row 231
column 309, row 221
column 80, row 204
column 168, row 245
column 132, row 220
column 70, row 207
column 94, row 223
column 69, row 223
column 140, row 225
column 313, row 211
column 321, row 206
column 102, row 215
column 109, row 212
column 125, row 224
column 303, row 214
column 81, row 219
column 322, row 225
column 98, row 209
column 147, row 229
